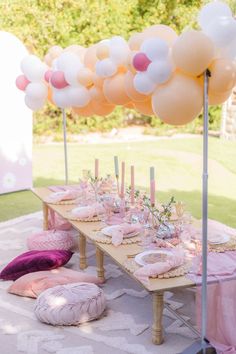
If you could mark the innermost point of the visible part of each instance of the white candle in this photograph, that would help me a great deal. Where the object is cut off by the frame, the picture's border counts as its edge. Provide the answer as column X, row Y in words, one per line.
column 122, row 189
column 132, row 185
column 116, row 166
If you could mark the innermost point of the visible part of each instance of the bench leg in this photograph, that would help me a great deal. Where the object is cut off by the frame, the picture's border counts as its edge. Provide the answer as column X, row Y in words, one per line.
column 157, row 330
column 45, row 216
column 82, row 252
column 100, row 261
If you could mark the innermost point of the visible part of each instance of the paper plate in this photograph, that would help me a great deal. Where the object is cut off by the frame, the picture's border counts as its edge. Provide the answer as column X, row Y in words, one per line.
column 152, row 256
column 219, row 239
column 107, row 231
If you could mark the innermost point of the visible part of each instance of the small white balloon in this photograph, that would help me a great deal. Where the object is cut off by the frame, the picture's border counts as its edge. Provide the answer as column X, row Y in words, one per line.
column 155, row 48
column 34, row 104
column 212, row 11
column 143, row 84
column 221, row 31
column 33, row 68
column 159, row 71
column 78, row 96
column 117, row 40
column 60, row 97
column 36, row 91
column 67, row 60
column 119, row 54
column 105, row 68
column 29, row 60
column 71, row 74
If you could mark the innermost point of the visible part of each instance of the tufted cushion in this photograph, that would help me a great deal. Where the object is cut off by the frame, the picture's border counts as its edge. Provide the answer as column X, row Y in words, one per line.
column 50, row 240
column 33, row 284
column 33, row 261
column 70, row 304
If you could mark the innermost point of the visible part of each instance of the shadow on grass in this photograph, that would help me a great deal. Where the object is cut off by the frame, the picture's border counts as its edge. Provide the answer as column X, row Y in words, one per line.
column 220, row 208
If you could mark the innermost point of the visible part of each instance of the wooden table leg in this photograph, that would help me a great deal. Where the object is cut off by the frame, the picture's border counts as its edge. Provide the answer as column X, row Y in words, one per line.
column 82, row 252
column 45, row 216
column 157, row 330
column 100, row 261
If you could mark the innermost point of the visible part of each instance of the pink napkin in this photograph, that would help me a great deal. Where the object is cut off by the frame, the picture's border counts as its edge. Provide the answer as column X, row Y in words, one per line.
column 62, row 195
column 118, row 232
column 85, row 212
column 152, row 270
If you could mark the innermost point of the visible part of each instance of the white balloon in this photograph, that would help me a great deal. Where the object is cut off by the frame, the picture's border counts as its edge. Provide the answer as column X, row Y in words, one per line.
column 66, row 60
column 33, row 68
column 29, row 60
column 78, row 96
column 117, row 40
column 33, row 103
column 221, row 31
column 71, row 74
column 143, row 84
column 212, row 11
column 36, row 91
column 159, row 71
column 119, row 54
column 60, row 97
column 155, row 48
column 105, row 68
column 230, row 50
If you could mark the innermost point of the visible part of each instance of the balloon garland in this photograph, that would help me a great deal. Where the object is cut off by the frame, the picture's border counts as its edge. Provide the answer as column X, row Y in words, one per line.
column 155, row 72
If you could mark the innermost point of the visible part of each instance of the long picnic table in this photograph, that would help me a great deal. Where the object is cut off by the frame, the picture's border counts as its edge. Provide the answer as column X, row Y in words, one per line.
column 88, row 230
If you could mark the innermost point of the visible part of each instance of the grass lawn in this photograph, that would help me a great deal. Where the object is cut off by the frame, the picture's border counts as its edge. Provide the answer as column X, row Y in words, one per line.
column 178, row 164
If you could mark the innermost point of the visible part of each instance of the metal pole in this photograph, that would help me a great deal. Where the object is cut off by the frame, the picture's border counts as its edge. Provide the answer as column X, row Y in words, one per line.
column 65, row 144
column 204, row 213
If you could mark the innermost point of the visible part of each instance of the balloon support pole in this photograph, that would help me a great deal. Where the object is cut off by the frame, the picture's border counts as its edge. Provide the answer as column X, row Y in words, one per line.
column 65, row 145
column 203, row 346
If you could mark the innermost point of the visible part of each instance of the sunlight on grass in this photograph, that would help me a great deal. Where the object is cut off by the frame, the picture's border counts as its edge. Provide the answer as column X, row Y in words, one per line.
column 178, row 165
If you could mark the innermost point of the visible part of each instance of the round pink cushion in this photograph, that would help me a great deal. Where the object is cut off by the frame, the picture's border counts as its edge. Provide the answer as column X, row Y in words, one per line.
column 70, row 304
column 50, row 240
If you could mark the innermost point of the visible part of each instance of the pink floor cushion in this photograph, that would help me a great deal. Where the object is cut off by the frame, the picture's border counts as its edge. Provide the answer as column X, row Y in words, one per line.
column 33, row 284
column 50, row 240
column 70, row 304
column 34, row 261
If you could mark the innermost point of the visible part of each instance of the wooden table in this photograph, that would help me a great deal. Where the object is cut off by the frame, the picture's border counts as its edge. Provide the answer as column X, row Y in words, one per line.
column 156, row 287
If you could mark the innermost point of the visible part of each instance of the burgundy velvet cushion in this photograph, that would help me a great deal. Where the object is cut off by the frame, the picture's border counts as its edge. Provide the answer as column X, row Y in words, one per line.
column 34, row 261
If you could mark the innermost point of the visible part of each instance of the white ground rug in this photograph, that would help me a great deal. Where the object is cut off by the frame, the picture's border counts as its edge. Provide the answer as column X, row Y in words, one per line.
column 125, row 328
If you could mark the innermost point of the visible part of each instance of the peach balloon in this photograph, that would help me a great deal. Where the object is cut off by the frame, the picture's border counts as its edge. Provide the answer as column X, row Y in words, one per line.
column 130, row 90
column 55, row 51
column 98, row 81
column 223, row 76
column 136, row 40
column 216, row 98
column 114, row 90
column 86, row 111
column 102, row 109
column 179, row 101
column 129, row 105
column 162, row 31
column 145, row 107
column 76, row 49
column 50, row 95
column 130, row 62
column 102, row 51
column 85, row 77
column 193, row 52
column 90, row 57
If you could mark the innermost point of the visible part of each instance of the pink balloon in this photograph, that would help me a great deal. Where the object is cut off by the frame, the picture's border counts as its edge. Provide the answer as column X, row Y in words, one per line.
column 48, row 75
column 141, row 62
column 22, row 82
column 58, row 80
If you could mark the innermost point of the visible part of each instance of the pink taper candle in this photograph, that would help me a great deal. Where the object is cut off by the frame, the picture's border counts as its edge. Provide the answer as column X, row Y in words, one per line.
column 132, row 185
column 122, row 189
column 152, row 192
column 96, row 167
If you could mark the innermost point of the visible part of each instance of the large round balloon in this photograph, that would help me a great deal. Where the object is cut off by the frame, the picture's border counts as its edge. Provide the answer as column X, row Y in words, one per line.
column 221, row 31
column 144, row 107
column 86, row 111
column 223, row 76
column 193, row 52
column 161, row 31
column 114, row 90
column 102, row 109
column 130, row 90
column 215, row 99
column 178, row 101
column 213, row 11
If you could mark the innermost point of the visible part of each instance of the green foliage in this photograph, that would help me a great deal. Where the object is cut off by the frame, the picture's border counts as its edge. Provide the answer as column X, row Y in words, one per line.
column 41, row 24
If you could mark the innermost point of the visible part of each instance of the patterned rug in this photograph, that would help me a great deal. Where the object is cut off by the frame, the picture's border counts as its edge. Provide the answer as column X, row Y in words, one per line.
column 125, row 328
